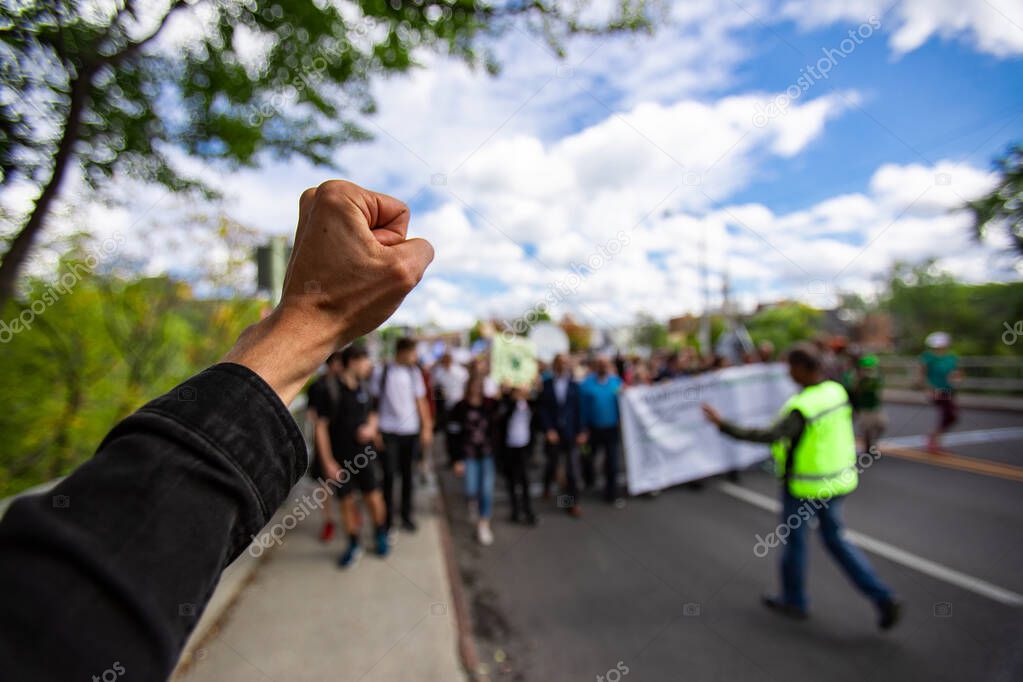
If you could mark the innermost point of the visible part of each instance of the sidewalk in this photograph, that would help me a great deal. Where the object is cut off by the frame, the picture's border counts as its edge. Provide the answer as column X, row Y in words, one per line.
column 301, row 618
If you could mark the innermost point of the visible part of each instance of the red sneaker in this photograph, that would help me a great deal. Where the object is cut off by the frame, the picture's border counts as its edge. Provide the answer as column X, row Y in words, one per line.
column 327, row 534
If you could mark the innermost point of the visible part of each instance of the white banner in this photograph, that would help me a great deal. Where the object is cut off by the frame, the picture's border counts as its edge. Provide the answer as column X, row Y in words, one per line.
column 668, row 441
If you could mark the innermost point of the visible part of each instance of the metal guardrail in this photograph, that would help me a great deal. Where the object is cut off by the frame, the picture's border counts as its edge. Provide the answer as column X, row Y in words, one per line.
column 980, row 374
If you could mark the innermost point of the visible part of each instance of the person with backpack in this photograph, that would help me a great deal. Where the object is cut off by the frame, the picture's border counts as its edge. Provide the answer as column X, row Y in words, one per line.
column 406, row 426
column 344, row 437
column 317, row 406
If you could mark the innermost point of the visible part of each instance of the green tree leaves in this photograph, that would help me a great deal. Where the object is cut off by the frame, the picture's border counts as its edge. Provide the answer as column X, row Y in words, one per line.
column 1002, row 208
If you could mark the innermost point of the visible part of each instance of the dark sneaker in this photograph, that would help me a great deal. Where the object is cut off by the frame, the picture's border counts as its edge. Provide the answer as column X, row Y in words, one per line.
column 788, row 610
column 350, row 557
column 383, row 544
column 891, row 613
column 531, row 519
column 408, row 525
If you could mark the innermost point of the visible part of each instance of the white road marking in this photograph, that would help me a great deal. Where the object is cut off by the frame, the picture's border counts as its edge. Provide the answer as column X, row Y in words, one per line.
column 891, row 552
column 959, row 437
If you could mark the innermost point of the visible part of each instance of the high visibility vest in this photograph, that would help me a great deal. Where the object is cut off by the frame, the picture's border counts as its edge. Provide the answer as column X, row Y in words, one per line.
column 824, row 462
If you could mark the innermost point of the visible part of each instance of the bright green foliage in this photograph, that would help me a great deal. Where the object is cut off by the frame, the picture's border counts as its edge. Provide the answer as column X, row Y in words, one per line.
column 90, row 354
column 785, row 324
column 649, row 332
column 921, row 300
column 1002, row 209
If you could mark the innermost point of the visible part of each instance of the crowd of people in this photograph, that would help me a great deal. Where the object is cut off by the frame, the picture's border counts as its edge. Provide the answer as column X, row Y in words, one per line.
column 572, row 408
column 489, row 430
column 493, row 431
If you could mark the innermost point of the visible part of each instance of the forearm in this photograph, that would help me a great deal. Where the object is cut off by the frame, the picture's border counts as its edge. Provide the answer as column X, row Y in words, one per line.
column 786, row 428
column 323, row 450
column 425, row 418
column 121, row 557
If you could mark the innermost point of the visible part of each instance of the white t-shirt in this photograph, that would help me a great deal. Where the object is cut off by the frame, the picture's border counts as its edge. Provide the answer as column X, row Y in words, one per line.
column 399, row 412
column 490, row 387
column 561, row 388
column 518, row 425
column 452, row 381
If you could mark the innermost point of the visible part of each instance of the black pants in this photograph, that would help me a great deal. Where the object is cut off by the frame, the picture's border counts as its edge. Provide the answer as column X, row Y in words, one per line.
column 606, row 440
column 517, row 477
column 399, row 455
column 565, row 450
column 453, row 441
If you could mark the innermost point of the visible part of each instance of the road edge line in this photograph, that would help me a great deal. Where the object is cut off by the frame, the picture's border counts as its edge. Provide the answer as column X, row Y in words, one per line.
column 892, row 553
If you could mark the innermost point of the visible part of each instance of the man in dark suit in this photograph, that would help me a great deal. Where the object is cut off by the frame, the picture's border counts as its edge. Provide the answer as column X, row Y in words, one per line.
column 561, row 422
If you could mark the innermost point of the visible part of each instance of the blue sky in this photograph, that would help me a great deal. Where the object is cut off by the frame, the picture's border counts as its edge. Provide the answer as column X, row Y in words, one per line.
column 638, row 155
column 943, row 100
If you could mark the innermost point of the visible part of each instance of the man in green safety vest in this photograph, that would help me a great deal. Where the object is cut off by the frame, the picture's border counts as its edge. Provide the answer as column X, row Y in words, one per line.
column 814, row 451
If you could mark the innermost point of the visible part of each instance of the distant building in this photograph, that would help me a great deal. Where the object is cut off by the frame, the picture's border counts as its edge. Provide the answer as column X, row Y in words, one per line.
column 876, row 331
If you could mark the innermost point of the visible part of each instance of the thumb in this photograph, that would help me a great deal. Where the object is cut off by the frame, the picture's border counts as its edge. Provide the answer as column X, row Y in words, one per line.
column 415, row 255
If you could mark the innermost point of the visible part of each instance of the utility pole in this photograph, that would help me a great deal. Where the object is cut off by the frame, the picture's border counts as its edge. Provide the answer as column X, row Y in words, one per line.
column 271, row 265
column 704, row 335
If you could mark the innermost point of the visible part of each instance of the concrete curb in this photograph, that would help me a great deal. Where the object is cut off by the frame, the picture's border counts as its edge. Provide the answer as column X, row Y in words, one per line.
column 463, row 618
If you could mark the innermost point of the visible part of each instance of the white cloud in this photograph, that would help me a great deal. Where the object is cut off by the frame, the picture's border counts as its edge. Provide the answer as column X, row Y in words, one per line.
column 935, row 189
column 992, row 26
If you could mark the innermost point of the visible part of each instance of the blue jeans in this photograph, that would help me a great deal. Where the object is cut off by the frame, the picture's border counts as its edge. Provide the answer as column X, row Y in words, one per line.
column 793, row 560
column 479, row 483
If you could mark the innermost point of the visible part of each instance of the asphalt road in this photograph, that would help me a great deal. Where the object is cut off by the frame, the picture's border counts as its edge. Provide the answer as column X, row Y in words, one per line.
column 668, row 587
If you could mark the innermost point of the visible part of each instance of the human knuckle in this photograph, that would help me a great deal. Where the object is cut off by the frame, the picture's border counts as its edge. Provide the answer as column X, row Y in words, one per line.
column 334, row 191
column 405, row 274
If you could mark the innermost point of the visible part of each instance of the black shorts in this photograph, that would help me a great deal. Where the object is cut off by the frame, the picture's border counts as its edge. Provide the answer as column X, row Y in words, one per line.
column 354, row 477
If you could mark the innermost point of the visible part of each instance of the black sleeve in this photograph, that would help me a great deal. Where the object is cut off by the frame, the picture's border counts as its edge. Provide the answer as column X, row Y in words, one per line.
column 789, row 427
column 117, row 562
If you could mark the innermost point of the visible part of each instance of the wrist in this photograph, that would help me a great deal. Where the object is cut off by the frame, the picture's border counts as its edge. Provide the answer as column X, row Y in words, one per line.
column 284, row 349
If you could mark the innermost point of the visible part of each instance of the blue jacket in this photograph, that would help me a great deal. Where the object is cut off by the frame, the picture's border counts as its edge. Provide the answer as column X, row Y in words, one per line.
column 600, row 401
column 564, row 418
